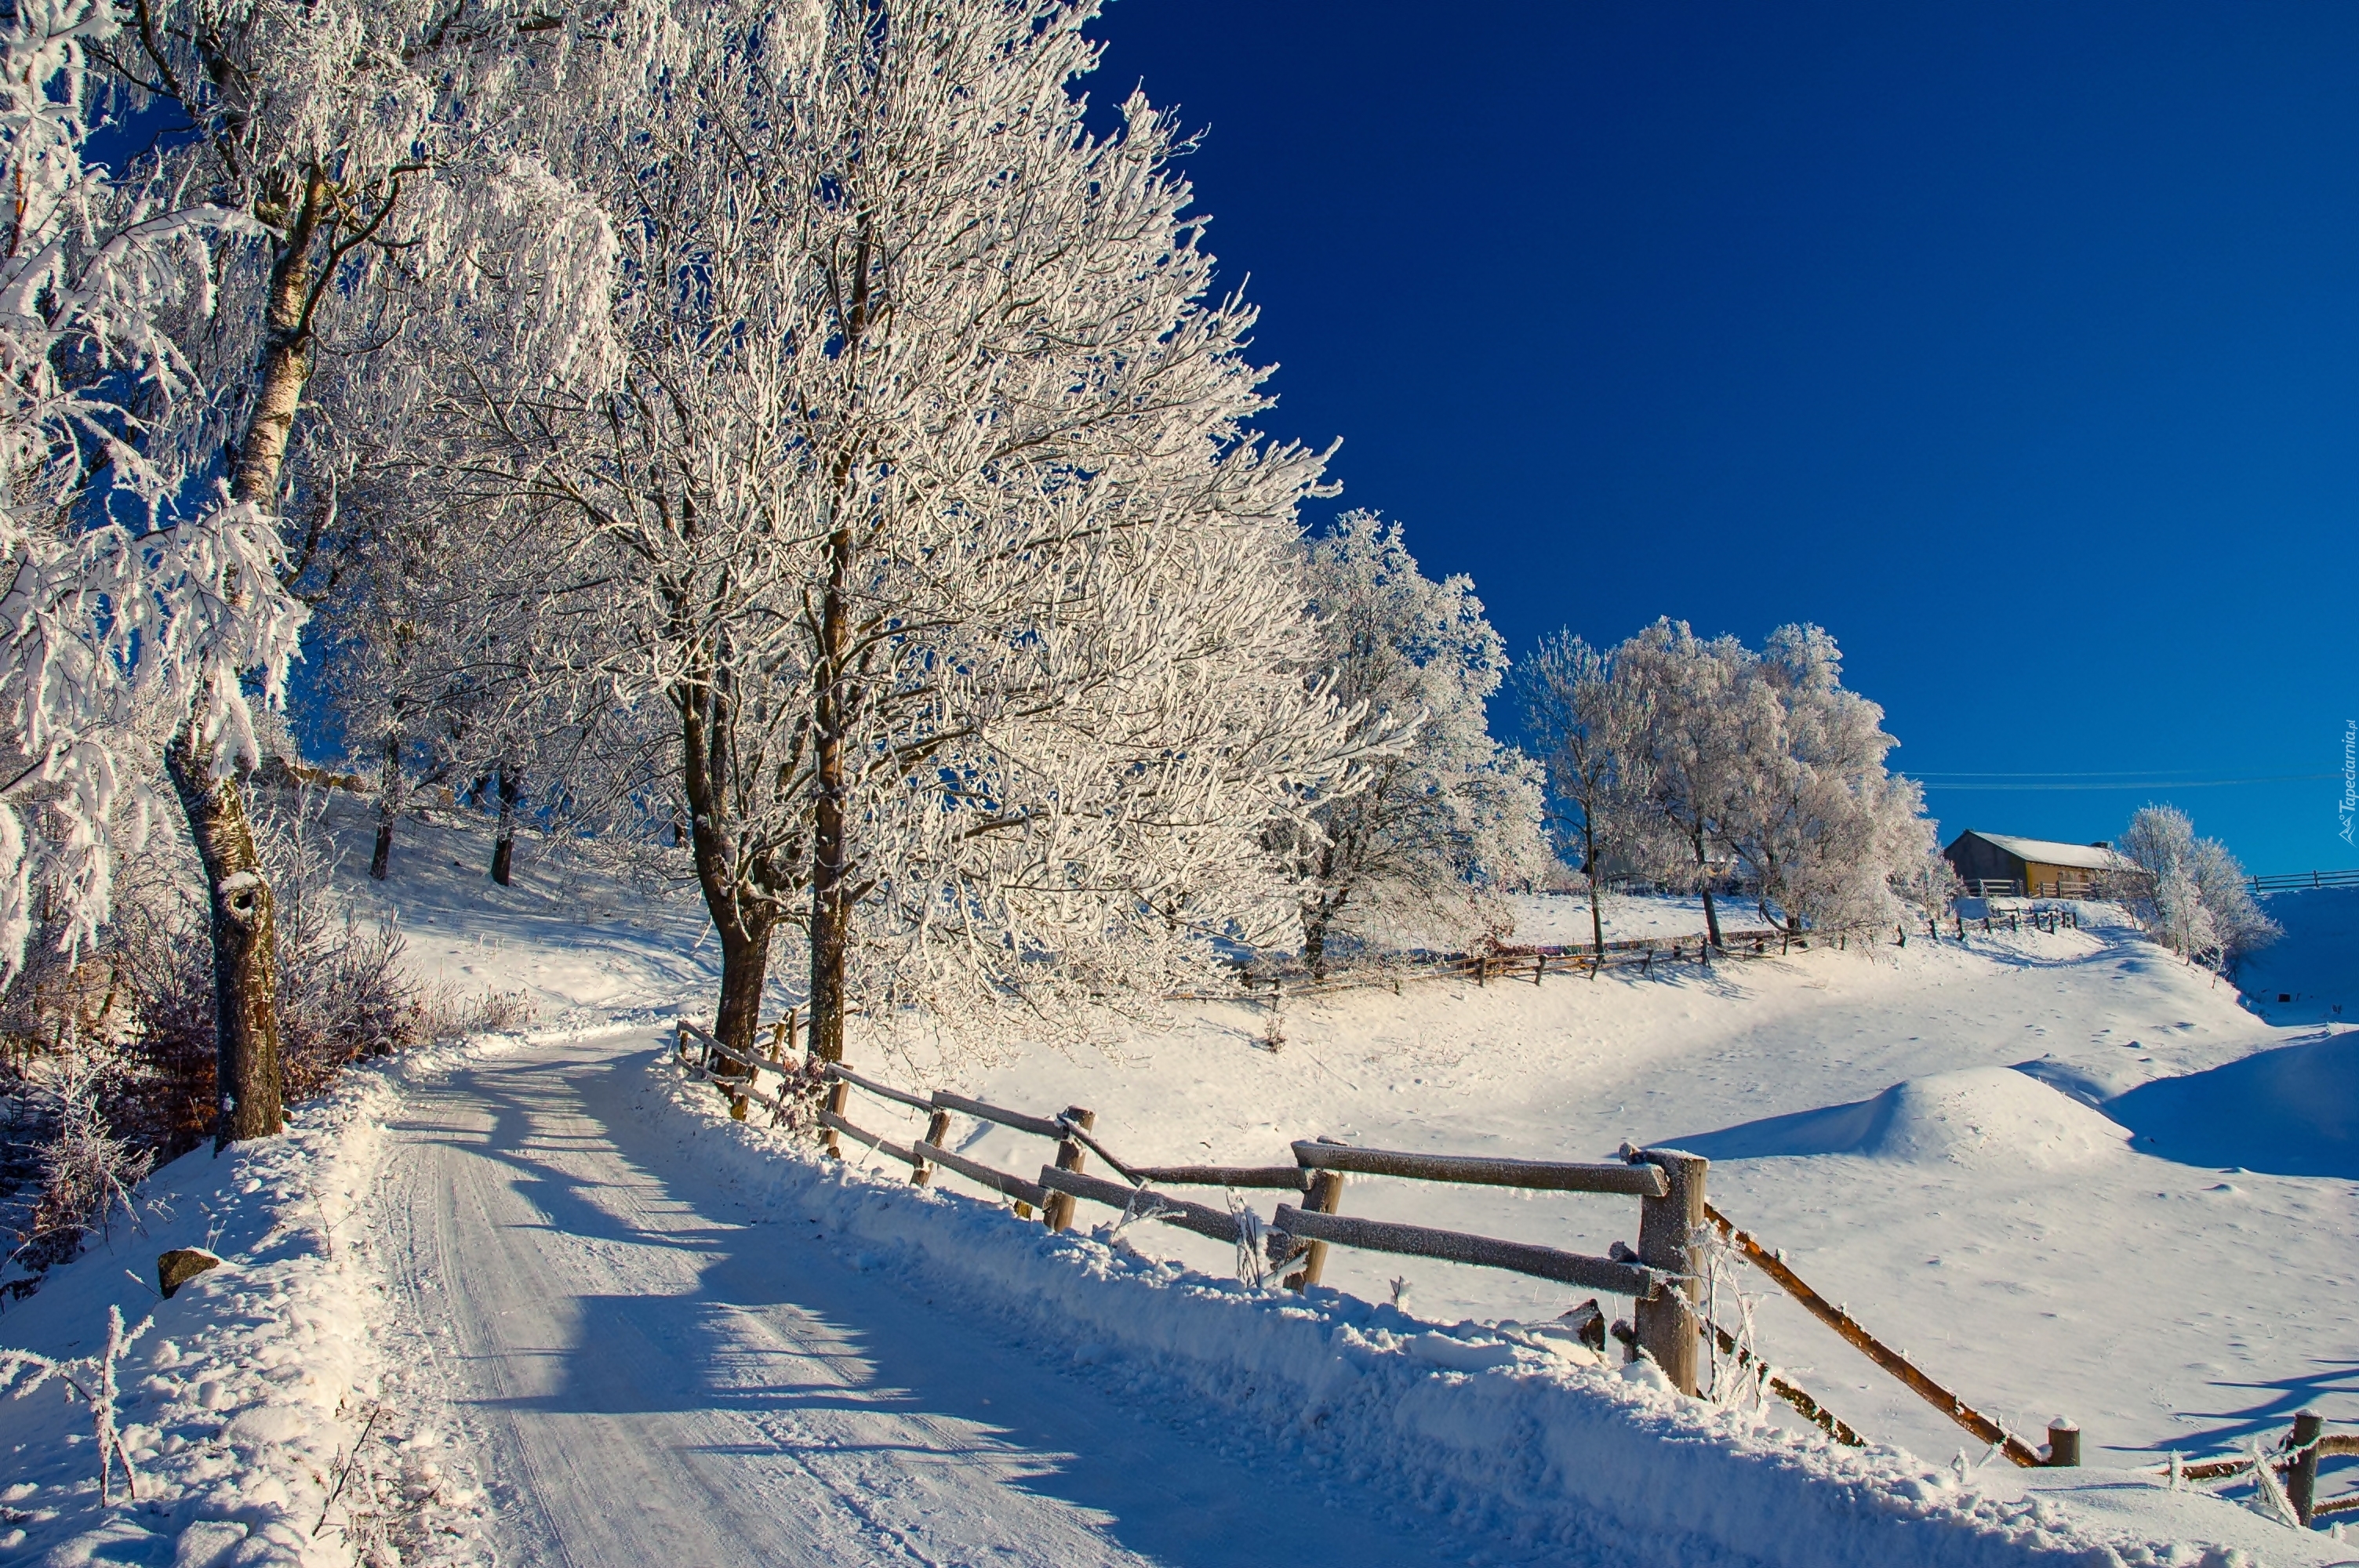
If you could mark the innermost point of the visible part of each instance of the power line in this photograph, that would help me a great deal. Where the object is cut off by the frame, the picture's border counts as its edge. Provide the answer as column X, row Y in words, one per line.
column 2128, row 782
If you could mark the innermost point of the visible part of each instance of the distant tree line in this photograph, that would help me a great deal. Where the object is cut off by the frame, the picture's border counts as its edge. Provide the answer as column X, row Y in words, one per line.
column 1699, row 763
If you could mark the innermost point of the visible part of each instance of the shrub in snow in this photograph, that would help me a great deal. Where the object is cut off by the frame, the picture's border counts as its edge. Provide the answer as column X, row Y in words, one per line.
column 90, row 1380
column 87, row 1172
column 2192, row 893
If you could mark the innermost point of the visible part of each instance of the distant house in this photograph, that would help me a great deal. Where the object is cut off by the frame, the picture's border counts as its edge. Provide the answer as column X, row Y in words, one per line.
column 1995, row 864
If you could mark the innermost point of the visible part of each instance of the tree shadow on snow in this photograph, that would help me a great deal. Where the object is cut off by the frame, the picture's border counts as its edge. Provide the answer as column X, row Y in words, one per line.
column 791, row 1330
column 2331, row 1390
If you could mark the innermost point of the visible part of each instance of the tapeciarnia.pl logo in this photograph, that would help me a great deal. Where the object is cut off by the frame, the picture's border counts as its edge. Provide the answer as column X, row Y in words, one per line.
column 2348, row 807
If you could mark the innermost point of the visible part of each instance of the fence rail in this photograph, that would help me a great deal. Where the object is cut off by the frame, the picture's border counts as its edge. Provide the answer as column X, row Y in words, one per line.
column 2297, row 1454
column 1662, row 1274
column 1536, row 962
column 2288, row 882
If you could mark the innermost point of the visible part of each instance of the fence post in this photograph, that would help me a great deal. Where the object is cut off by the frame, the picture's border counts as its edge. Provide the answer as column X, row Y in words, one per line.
column 679, row 1038
column 1668, row 1327
column 1325, row 1196
column 793, row 1020
column 1540, row 968
column 2063, row 1443
column 837, row 1096
column 1058, row 1212
column 938, row 1127
column 2301, row 1479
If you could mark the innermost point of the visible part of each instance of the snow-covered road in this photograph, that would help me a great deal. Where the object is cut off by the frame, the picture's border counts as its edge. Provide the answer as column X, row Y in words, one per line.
column 659, row 1376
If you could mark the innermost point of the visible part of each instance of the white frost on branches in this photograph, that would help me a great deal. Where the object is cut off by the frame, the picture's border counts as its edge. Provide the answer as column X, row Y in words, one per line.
column 1444, row 817
column 2195, row 894
column 1696, row 759
column 90, row 1380
column 924, row 504
column 129, row 600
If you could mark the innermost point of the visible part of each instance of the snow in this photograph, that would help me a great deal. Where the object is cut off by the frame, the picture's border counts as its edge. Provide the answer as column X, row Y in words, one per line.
column 250, row 1388
column 2315, row 966
column 1529, row 1452
column 2011, row 1159
column 1980, row 1118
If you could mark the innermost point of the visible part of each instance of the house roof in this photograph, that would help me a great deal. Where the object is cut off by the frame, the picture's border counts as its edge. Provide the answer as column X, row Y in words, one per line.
column 2048, row 852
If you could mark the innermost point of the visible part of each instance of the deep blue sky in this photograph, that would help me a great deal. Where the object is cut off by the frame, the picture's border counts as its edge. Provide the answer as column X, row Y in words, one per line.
column 2019, row 345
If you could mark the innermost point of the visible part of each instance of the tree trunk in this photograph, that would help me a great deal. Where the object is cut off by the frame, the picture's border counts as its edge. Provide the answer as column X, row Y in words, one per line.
column 245, row 962
column 388, row 807
column 1703, row 880
column 745, row 970
column 1315, row 943
column 741, row 919
column 831, row 900
column 1596, row 917
column 246, row 1013
column 504, row 839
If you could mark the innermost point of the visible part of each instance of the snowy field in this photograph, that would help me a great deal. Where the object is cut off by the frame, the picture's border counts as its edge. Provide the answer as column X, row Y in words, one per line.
column 2066, row 1173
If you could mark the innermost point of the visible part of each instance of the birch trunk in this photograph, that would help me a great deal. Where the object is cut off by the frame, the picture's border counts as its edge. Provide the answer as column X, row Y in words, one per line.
column 245, row 962
column 245, row 1015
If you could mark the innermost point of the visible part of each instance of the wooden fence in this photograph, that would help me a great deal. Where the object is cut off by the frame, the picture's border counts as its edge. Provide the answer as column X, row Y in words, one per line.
column 2289, row 881
column 1663, row 1274
column 1520, row 961
column 1516, row 962
column 2295, row 1457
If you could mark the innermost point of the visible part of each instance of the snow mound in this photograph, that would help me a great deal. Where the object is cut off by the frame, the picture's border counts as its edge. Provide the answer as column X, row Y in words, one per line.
column 1981, row 1118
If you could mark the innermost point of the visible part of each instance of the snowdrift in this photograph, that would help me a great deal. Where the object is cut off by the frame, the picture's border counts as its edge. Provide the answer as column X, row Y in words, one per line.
column 250, row 1394
column 2293, row 1111
column 1980, row 1118
column 1495, row 1430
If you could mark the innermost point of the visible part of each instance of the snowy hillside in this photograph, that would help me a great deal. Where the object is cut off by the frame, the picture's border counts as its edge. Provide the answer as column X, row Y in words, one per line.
column 2010, row 1159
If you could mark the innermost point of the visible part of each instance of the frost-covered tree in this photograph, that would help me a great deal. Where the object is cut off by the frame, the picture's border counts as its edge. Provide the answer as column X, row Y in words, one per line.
column 1709, row 721
column 926, row 503
column 1588, row 717
column 130, row 603
column 372, row 150
column 1445, row 815
column 1828, row 832
column 2192, row 891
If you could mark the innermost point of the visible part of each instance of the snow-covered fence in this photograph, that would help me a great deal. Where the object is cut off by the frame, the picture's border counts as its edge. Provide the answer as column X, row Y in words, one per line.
column 739, row 1075
column 1663, row 1274
column 1534, row 962
column 2294, row 1457
column 1518, row 962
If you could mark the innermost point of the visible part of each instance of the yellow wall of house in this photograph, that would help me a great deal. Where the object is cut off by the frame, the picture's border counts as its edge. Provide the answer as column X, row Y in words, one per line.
column 2048, row 880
